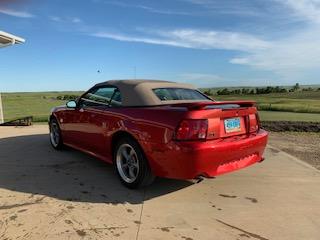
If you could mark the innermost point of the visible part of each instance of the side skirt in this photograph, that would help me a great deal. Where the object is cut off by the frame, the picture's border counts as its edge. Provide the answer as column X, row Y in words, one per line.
column 103, row 158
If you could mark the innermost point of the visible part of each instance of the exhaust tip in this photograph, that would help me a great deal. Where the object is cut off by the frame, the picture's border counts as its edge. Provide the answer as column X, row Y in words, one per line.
column 200, row 178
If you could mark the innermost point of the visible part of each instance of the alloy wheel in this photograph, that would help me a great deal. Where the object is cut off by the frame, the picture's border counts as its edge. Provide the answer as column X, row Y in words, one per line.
column 127, row 163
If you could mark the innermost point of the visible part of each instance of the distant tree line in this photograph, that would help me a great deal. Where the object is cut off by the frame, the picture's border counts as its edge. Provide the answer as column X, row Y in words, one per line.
column 260, row 90
column 67, row 97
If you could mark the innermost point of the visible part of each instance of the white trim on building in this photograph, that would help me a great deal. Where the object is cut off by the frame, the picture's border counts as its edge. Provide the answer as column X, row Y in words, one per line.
column 7, row 39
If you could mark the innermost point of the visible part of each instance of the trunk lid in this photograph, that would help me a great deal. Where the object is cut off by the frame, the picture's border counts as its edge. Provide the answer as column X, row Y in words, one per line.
column 225, row 119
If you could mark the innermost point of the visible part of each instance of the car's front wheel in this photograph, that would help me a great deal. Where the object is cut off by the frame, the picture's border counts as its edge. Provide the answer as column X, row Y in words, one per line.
column 131, row 165
column 55, row 134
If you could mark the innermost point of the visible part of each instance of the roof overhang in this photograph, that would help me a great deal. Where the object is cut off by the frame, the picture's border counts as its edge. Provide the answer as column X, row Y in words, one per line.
column 7, row 39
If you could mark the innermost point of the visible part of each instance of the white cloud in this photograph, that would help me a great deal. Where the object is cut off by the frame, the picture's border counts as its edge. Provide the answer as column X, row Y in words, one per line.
column 76, row 20
column 15, row 13
column 162, row 11
column 193, row 38
column 239, row 60
column 128, row 38
column 231, row 7
column 287, row 55
column 55, row 18
column 295, row 53
column 144, row 7
column 307, row 9
column 65, row 19
column 217, row 39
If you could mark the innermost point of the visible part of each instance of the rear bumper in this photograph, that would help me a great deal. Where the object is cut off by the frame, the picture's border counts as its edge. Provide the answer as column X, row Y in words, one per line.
column 188, row 160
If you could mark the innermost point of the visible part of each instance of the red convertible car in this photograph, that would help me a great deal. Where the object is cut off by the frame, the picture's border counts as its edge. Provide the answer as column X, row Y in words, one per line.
column 149, row 128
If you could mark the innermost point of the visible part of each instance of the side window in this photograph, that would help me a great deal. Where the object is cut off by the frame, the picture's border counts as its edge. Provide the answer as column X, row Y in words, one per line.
column 116, row 99
column 103, row 96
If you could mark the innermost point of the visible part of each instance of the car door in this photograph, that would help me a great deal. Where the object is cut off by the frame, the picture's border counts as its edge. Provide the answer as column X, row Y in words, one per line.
column 95, row 118
column 75, row 123
column 71, row 122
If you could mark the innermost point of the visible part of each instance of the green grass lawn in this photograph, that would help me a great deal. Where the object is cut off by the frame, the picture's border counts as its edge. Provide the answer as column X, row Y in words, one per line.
column 289, row 116
column 301, row 102
column 38, row 105
column 297, row 106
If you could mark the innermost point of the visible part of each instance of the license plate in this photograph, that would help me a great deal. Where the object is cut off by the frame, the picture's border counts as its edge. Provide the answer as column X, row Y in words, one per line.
column 232, row 125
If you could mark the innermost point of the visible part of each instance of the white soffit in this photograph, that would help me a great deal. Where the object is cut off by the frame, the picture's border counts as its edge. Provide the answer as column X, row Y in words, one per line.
column 7, row 39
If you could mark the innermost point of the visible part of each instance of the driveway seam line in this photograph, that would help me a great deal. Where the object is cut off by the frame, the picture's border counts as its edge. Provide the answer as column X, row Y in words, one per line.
column 144, row 193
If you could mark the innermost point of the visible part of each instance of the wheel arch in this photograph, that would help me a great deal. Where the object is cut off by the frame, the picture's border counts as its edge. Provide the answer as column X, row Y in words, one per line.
column 55, row 117
column 52, row 117
column 123, row 134
column 150, row 176
column 120, row 135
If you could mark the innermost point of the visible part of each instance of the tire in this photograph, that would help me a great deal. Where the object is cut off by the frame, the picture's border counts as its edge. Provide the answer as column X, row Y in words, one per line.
column 55, row 134
column 131, row 165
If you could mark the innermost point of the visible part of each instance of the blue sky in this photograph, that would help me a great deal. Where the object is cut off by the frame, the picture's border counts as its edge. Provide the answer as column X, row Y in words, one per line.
column 209, row 43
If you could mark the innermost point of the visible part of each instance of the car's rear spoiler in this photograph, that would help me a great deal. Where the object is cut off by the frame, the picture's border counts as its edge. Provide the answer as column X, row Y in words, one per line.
column 224, row 104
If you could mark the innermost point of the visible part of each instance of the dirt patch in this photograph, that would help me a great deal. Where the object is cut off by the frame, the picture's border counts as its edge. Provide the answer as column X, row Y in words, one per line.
column 22, row 210
column 304, row 146
column 253, row 200
column 227, row 196
column 13, row 217
column 186, row 238
column 280, row 126
column 165, row 229
column 68, row 221
column 81, row 233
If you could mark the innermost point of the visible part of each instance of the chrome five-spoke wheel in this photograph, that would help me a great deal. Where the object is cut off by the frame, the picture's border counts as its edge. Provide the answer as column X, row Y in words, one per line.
column 127, row 163
column 55, row 134
column 131, row 164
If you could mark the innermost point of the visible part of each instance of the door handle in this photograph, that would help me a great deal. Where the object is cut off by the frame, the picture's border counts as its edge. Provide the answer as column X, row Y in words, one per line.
column 81, row 110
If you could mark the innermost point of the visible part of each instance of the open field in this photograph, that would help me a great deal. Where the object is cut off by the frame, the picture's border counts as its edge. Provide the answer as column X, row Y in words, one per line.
column 297, row 106
column 289, row 116
column 301, row 102
column 37, row 105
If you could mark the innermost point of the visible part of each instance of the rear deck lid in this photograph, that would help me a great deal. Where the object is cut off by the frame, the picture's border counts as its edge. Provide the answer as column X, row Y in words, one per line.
column 225, row 119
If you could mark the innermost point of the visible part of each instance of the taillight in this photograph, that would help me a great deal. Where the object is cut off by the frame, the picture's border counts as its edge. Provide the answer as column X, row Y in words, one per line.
column 258, row 121
column 254, row 123
column 192, row 129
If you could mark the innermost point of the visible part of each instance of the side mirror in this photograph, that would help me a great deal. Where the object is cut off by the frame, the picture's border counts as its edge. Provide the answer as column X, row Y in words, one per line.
column 71, row 104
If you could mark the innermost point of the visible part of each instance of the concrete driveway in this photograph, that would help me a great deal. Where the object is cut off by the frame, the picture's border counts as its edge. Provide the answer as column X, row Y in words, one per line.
column 45, row 194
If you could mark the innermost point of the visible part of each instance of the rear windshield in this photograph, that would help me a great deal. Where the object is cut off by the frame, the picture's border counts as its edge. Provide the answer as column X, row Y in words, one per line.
column 169, row 94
